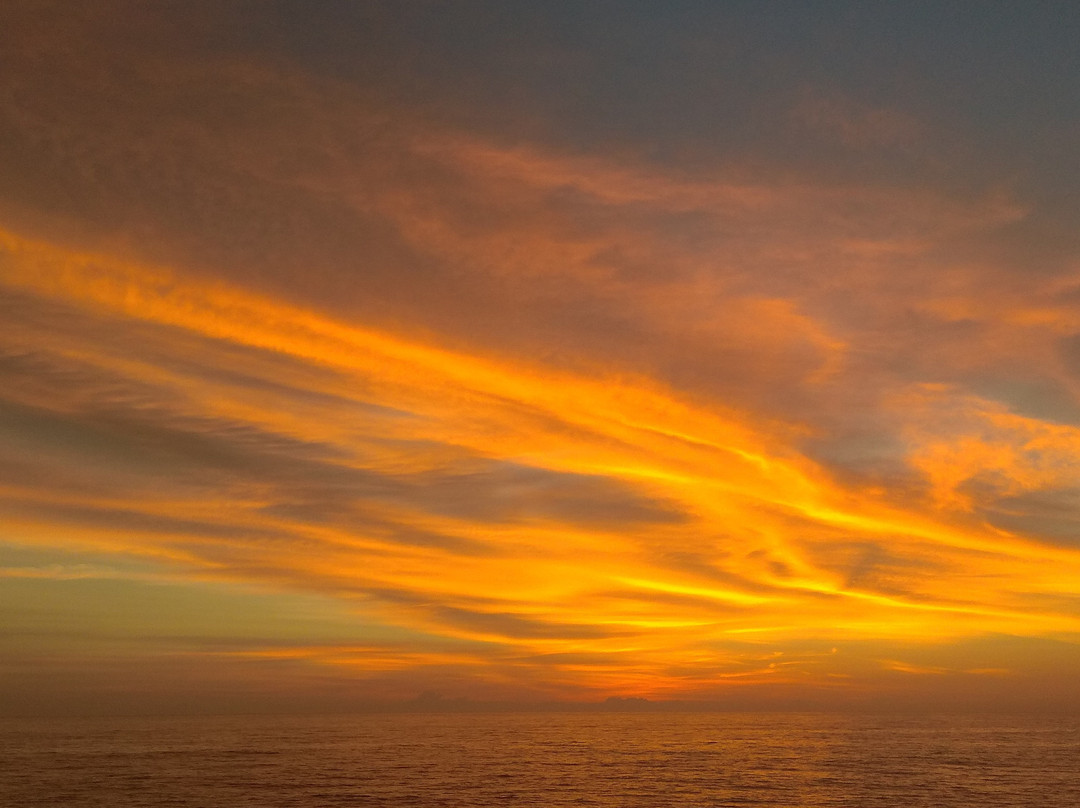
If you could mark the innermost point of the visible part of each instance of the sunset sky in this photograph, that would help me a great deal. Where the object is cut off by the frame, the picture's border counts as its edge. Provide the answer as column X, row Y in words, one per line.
column 721, row 352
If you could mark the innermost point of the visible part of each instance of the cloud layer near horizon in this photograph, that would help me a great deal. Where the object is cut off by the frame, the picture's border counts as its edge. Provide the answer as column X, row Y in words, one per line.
column 536, row 420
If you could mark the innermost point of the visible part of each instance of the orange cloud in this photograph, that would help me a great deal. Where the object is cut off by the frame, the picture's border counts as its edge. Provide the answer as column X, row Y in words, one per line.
column 605, row 522
column 565, row 421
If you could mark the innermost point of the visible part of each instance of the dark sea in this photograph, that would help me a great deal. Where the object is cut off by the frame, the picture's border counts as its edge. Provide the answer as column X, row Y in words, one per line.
column 476, row 760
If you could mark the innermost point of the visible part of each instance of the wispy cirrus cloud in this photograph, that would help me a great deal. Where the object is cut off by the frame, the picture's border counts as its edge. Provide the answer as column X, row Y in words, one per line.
column 540, row 511
column 600, row 422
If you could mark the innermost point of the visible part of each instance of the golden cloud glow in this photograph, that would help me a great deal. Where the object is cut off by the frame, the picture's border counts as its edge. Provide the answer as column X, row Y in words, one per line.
column 593, row 534
column 371, row 375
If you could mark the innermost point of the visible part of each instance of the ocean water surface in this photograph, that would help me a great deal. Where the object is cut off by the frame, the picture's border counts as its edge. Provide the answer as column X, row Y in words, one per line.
column 475, row 760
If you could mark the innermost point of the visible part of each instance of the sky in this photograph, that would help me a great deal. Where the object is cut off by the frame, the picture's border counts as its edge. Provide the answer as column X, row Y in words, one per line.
column 365, row 353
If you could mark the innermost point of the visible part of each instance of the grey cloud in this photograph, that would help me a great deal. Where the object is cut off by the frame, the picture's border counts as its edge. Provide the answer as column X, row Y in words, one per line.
column 501, row 491
column 354, row 518
column 518, row 626
column 121, row 520
column 1052, row 516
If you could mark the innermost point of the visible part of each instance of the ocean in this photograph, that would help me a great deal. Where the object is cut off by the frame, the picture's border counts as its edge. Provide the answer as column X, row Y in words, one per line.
column 476, row 760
